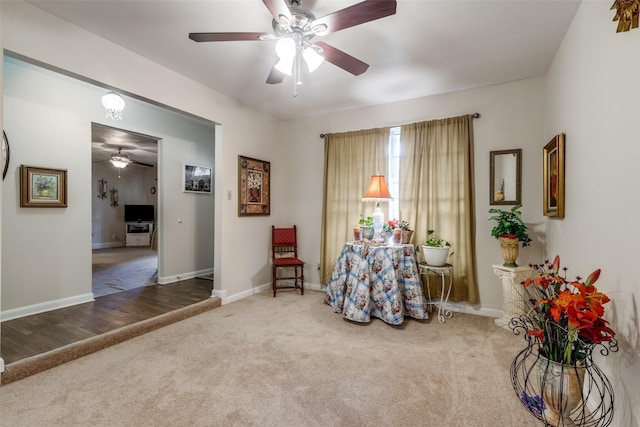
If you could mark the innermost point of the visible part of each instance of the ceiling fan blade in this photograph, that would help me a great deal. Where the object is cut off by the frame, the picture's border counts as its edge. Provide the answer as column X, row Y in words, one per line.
column 149, row 165
column 278, row 8
column 228, row 37
column 275, row 76
column 342, row 59
column 368, row 10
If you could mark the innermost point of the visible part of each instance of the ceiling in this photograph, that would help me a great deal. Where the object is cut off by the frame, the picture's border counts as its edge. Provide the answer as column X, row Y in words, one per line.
column 426, row 48
column 106, row 141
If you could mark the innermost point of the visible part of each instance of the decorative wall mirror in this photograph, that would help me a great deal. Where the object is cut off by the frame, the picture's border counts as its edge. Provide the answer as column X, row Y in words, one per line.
column 505, row 177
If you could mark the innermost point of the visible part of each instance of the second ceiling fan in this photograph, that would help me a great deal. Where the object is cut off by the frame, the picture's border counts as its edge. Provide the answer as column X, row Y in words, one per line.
column 294, row 28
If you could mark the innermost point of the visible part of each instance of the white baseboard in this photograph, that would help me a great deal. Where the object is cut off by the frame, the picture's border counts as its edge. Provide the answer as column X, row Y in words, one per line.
column 315, row 287
column 28, row 310
column 460, row 307
column 257, row 290
column 184, row 276
column 464, row 307
column 222, row 294
column 247, row 293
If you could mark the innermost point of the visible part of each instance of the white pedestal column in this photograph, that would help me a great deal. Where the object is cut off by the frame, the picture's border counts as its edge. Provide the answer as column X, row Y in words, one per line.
column 513, row 304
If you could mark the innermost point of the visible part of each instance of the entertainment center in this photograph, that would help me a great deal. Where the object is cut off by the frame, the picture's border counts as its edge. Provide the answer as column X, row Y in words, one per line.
column 139, row 220
column 139, row 233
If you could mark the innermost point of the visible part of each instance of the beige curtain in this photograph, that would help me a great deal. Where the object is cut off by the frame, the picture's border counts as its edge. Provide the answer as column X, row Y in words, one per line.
column 350, row 158
column 436, row 192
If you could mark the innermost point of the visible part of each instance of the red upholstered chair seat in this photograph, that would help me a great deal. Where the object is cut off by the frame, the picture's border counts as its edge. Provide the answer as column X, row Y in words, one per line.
column 287, row 261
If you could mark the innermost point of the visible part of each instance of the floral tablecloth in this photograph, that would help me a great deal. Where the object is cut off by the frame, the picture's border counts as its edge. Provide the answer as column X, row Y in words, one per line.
column 378, row 281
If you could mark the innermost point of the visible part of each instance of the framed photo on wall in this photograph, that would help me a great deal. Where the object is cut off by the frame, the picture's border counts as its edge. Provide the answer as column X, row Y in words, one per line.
column 553, row 176
column 254, row 189
column 43, row 187
column 196, row 179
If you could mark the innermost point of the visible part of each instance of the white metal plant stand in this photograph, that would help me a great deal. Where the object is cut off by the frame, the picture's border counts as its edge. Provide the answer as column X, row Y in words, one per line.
column 443, row 271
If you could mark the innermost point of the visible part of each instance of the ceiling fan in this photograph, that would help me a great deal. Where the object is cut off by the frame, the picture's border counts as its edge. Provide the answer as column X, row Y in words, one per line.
column 122, row 160
column 294, row 28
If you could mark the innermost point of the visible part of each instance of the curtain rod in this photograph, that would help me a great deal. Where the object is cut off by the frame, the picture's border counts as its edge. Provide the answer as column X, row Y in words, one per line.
column 474, row 115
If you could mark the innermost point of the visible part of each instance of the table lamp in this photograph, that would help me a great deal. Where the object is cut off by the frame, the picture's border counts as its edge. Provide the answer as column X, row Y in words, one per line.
column 377, row 192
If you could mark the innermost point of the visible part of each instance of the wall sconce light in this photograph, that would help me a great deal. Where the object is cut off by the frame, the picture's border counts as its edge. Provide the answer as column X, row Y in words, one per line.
column 102, row 188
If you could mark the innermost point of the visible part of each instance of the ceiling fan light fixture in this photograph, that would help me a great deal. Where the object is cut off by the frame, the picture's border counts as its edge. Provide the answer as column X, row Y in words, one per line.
column 312, row 57
column 119, row 161
column 113, row 104
column 286, row 48
column 319, row 29
column 285, row 66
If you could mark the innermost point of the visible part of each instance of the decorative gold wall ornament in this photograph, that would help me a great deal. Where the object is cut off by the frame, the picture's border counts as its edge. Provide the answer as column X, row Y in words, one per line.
column 627, row 13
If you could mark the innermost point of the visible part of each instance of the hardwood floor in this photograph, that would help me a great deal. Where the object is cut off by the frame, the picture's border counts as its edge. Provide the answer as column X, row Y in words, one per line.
column 39, row 333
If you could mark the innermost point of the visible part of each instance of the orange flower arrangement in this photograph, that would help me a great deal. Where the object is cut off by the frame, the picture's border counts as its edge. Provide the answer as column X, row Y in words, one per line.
column 566, row 317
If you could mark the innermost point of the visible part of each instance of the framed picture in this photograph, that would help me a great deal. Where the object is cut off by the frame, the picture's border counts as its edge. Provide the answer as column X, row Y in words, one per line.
column 4, row 155
column 197, row 179
column 553, row 176
column 254, row 191
column 42, row 187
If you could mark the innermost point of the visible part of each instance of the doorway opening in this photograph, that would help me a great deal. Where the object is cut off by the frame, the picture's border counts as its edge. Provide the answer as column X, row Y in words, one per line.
column 125, row 212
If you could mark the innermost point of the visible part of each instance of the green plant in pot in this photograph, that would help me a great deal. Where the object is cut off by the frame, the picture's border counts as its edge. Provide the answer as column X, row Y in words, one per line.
column 366, row 227
column 407, row 232
column 435, row 250
column 511, row 231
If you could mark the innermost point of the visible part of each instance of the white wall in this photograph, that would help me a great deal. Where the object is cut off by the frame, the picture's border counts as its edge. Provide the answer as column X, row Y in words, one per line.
column 511, row 117
column 593, row 96
column 41, row 257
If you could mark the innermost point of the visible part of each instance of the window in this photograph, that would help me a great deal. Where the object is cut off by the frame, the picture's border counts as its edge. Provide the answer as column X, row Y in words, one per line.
column 393, row 178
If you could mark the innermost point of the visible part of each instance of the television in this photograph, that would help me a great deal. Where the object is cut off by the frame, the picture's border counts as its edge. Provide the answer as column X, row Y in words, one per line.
column 139, row 213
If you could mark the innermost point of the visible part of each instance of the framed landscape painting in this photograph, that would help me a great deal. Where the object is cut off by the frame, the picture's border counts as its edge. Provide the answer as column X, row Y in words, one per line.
column 254, row 192
column 42, row 187
column 553, row 176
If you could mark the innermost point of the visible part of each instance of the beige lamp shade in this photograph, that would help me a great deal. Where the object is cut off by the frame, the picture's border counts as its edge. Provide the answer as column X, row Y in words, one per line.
column 378, row 190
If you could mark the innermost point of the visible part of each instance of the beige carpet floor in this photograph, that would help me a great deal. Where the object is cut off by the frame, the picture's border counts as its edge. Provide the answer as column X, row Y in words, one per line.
column 121, row 269
column 285, row 361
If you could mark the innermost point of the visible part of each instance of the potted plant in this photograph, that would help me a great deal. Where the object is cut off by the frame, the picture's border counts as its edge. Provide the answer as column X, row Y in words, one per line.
column 435, row 250
column 366, row 227
column 407, row 232
column 510, row 231
column 387, row 229
column 563, row 325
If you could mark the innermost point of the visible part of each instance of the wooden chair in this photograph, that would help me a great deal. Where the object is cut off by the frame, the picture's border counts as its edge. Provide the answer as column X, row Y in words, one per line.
column 284, row 250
